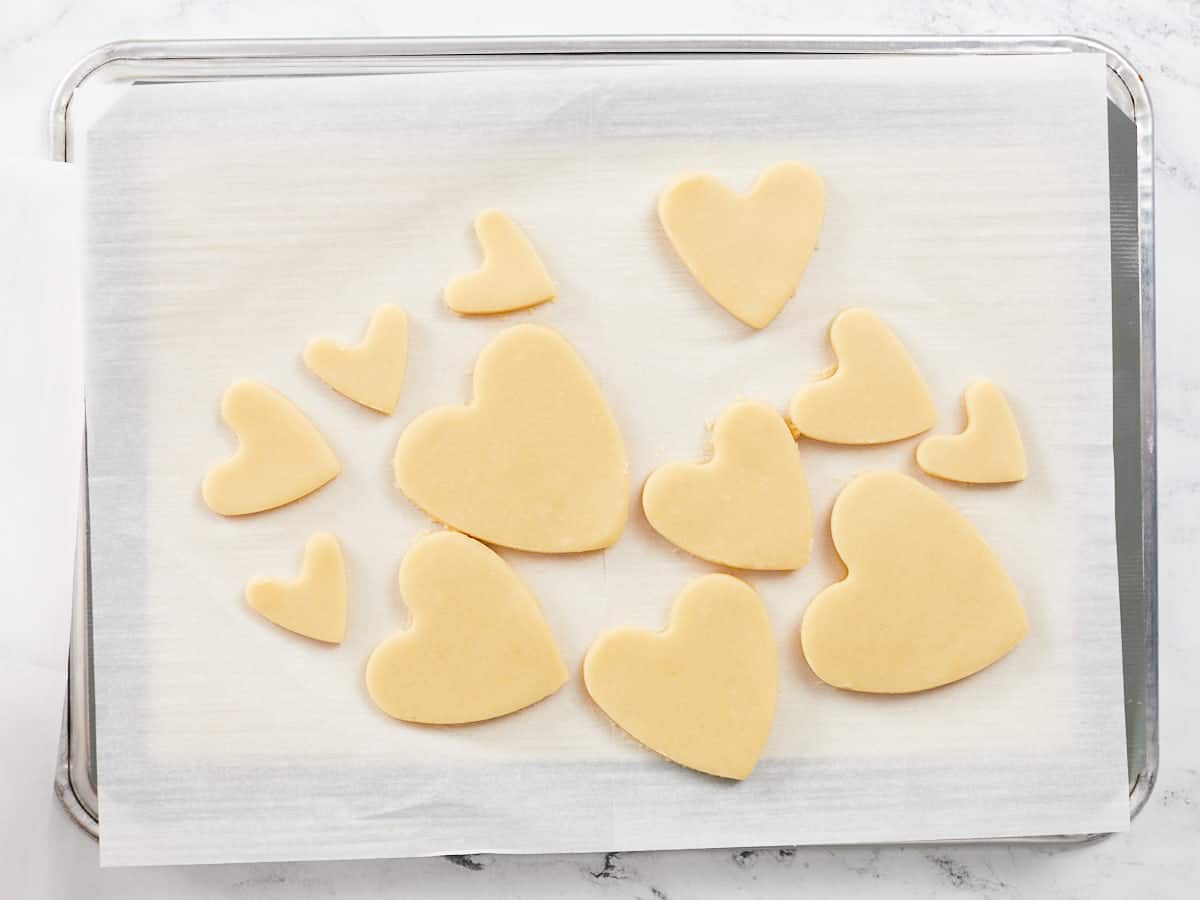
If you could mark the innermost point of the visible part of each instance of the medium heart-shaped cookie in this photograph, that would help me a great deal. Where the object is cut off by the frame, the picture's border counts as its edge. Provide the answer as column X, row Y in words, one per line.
column 535, row 462
column 314, row 605
column 512, row 275
column 874, row 395
column 702, row 692
column 281, row 456
column 370, row 373
column 925, row 601
column 477, row 647
column 987, row 451
column 748, row 506
column 748, row 251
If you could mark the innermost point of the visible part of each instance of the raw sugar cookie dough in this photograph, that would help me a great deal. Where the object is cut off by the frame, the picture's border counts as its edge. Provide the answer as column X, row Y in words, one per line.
column 747, row 507
column 478, row 646
column 534, row 462
column 988, row 451
column 874, row 395
column 925, row 601
column 314, row 605
column 748, row 251
column 281, row 455
column 701, row 693
column 512, row 275
column 370, row 373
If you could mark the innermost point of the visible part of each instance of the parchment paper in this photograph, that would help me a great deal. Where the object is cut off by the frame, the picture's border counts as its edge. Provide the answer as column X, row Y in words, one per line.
column 232, row 222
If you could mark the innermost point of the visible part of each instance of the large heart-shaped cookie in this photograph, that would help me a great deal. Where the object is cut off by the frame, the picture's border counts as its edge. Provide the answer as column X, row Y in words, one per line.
column 702, row 692
column 748, row 506
column 370, row 373
column 987, row 451
column 477, row 647
column 314, row 605
column 747, row 251
column 874, row 395
column 282, row 457
column 512, row 275
column 925, row 601
column 535, row 462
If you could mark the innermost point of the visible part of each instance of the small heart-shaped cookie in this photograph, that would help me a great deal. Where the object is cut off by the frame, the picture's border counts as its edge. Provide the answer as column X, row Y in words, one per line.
column 925, row 601
column 535, row 462
column 874, row 395
column 987, row 451
column 370, row 373
column 281, row 456
column 748, row 506
column 477, row 647
column 512, row 275
column 747, row 251
column 700, row 693
column 314, row 605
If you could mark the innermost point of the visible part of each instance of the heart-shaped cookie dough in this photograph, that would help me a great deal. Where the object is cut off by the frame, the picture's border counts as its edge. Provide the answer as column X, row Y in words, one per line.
column 282, row 457
column 925, row 601
column 989, row 449
column 512, row 275
column 747, row 251
column 535, row 462
column 748, row 506
column 370, row 373
column 702, row 692
column 874, row 395
column 314, row 605
column 477, row 647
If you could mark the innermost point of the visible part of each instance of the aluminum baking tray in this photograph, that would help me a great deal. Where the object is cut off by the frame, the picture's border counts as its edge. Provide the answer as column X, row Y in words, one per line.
column 127, row 65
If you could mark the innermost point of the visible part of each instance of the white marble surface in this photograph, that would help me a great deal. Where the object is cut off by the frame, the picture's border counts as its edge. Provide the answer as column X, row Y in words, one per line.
column 40, row 39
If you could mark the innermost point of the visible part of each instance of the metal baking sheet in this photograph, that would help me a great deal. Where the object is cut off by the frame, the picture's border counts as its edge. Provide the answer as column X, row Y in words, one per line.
column 1131, row 227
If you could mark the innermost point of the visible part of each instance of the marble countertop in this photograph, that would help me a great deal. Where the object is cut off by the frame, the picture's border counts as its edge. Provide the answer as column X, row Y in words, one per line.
column 1157, row 858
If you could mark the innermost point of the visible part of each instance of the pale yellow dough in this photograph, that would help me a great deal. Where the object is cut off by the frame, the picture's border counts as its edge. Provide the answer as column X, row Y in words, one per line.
column 512, row 276
column 702, row 692
column 477, row 647
column 282, row 457
column 748, row 251
column 925, row 601
column 748, row 506
column 370, row 373
column 535, row 462
column 989, row 449
column 314, row 605
column 874, row 395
